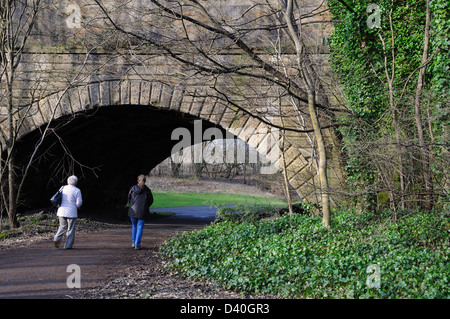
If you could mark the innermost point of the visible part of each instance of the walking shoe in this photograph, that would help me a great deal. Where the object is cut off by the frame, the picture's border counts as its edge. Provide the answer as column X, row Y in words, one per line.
column 56, row 244
column 137, row 247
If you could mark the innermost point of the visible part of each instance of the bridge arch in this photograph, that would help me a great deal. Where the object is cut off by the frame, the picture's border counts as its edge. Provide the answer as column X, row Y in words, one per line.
column 193, row 102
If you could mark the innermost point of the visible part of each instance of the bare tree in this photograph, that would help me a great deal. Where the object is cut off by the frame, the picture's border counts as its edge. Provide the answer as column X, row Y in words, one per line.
column 17, row 105
column 396, row 97
column 17, row 21
column 391, row 153
column 424, row 150
column 199, row 36
column 307, row 74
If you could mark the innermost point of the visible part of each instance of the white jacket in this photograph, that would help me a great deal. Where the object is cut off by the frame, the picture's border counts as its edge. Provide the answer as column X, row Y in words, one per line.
column 71, row 201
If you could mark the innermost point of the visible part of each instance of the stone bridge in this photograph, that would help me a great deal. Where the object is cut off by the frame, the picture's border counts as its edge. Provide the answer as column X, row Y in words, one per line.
column 111, row 101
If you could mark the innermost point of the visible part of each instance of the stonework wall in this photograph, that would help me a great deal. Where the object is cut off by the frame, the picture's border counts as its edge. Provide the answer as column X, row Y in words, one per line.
column 65, row 72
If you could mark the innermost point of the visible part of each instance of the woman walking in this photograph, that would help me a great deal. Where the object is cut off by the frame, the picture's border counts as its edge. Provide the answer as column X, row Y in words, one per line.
column 68, row 212
column 140, row 198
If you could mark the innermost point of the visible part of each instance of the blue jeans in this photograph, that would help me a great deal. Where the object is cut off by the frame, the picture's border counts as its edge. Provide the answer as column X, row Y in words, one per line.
column 137, row 229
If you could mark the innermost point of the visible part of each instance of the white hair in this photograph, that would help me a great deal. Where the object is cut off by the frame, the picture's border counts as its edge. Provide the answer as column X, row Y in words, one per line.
column 72, row 180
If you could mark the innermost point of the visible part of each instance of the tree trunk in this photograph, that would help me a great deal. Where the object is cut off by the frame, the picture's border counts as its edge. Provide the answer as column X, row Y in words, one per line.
column 325, row 200
column 309, row 80
column 12, row 195
column 398, row 144
column 285, row 178
column 424, row 151
column 392, row 106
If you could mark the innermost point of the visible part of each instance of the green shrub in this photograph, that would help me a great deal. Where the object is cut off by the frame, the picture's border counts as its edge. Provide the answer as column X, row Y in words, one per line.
column 242, row 213
column 298, row 257
column 252, row 213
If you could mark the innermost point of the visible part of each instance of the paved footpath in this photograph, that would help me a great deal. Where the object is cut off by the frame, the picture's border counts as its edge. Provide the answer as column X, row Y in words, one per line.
column 41, row 271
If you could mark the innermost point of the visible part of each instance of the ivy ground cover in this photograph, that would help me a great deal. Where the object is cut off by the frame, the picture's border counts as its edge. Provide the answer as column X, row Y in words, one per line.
column 360, row 256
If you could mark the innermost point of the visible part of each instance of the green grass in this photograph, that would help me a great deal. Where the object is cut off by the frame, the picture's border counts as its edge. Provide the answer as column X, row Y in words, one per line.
column 162, row 200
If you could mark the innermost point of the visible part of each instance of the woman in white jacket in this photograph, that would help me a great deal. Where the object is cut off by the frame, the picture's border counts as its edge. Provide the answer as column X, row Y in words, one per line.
column 68, row 212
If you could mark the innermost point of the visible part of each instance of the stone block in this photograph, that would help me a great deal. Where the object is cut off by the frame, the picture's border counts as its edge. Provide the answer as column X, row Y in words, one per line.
column 146, row 87
column 135, row 93
column 94, row 94
column 166, row 96
column 125, row 92
column 74, row 96
column 217, row 112
column 84, row 96
column 177, row 98
column 207, row 108
column 155, row 94
column 104, row 94
column 186, row 103
column 65, row 104
column 249, row 128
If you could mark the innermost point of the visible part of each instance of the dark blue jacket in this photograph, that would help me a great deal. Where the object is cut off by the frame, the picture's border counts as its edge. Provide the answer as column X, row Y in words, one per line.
column 140, row 201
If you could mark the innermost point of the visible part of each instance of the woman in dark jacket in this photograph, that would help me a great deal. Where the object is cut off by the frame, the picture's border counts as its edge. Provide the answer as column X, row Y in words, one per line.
column 140, row 198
